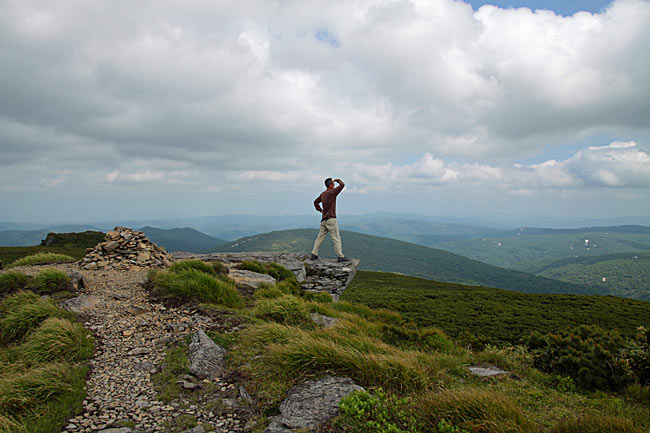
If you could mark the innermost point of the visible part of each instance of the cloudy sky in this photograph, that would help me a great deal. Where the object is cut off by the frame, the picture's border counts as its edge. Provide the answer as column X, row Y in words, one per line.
column 440, row 107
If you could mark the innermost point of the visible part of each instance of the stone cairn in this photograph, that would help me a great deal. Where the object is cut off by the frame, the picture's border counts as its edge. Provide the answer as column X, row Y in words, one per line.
column 124, row 248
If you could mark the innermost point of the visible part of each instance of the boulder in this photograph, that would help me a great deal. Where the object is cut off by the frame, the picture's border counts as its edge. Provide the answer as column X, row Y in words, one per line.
column 487, row 371
column 310, row 404
column 80, row 303
column 323, row 321
column 205, row 356
column 249, row 279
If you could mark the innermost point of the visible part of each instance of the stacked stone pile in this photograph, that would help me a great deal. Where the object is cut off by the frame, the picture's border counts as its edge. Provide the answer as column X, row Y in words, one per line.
column 124, row 248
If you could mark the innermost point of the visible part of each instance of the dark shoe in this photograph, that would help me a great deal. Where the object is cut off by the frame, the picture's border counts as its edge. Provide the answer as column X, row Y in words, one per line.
column 314, row 257
column 343, row 259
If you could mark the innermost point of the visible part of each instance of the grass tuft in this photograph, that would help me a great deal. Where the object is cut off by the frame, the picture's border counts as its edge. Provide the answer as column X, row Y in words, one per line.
column 42, row 259
column 23, row 311
column 10, row 425
column 199, row 265
column 195, row 285
column 57, row 339
column 596, row 423
column 21, row 391
column 13, row 281
column 50, row 281
column 287, row 310
column 477, row 410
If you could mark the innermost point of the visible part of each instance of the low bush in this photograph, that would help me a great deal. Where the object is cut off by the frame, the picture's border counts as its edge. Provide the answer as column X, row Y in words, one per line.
column 287, row 310
column 199, row 265
column 23, row 390
column 592, row 356
column 42, row 259
column 637, row 352
column 12, row 281
column 423, row 339
column 477, row 410
column 267, row 291
column 379, row 412
column 194, row 285
column 50, row 281
column 23, row 311
column 57, row 339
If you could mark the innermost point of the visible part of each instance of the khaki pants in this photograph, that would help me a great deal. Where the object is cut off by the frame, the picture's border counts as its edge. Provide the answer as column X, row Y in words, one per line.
column 332, row 227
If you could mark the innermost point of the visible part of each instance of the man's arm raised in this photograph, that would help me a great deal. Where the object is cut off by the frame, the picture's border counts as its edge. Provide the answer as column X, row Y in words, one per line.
column 340, row 187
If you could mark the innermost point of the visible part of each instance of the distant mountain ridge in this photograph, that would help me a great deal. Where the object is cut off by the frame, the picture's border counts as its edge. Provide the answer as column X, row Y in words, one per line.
column 182, row 239
column 390, row 255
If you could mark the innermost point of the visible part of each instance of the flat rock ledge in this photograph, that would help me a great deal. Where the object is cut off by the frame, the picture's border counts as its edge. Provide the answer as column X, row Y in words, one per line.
column 310, row 404
column 323, row 275
column 487, row 371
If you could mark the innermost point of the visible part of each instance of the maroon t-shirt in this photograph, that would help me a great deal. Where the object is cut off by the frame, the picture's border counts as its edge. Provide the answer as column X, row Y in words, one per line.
column 328, row 198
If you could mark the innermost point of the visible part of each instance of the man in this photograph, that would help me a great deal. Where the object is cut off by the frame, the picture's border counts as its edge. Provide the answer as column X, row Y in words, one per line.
column 328, row 222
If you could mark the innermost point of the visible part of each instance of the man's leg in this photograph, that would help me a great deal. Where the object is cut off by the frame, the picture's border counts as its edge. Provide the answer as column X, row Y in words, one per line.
column 320, row 238
column 333, row 228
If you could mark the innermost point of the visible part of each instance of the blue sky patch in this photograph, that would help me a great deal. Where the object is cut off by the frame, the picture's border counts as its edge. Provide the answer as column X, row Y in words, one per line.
column 324, row 35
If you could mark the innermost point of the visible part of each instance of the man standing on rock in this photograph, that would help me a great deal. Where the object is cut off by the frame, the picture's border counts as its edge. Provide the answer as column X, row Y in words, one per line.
column 328, row 222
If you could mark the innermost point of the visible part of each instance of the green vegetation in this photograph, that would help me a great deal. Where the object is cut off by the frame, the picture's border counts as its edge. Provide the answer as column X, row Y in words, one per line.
column 530, row 250
column 493, row 315
column 416, row 375
column 42, row 259
column 389, row 255
column 9, row 255
column 194, row 280
column 46, row 282
column 626, row 275
column 87, row 239
column 12, row 281
column 43, row 354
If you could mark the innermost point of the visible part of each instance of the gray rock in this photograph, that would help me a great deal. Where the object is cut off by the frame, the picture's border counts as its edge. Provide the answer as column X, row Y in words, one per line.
column 310, row 404
column 205, row 356
column 245, row 395
column 139, row 351
column 324, row 321
column 78, row 281
column 197, row 429
column 249, row 279
column 80, row 303
column 188, row 385
column 487, row 371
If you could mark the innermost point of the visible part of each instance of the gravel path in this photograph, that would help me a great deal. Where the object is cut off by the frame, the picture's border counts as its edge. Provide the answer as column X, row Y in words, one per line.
column 130, row 333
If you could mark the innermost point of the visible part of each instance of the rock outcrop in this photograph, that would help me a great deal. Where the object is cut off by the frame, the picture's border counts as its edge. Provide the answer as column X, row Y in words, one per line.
column 321, row 275
column 124, row 248
column 310, row 404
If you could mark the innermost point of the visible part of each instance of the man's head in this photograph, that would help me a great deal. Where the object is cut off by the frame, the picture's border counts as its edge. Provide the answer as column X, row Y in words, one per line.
column 329, row 183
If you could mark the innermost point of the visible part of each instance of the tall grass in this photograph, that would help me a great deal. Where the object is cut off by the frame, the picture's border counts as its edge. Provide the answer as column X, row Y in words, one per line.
column 199, row 265
column 477, row 410
column 23, row 390
column 287, row 310
column 57, row 339
column 193, row 284
column 12, row 281
column 10, row 425
column 50, row 281
column 42, row 259
column 596, row 423
column 21, row 312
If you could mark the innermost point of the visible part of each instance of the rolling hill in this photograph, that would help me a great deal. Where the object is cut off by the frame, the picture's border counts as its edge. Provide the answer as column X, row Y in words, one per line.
column 389, row 255
column 494, row 315
column 182, row 239
column 626, row 274
column 531, row 250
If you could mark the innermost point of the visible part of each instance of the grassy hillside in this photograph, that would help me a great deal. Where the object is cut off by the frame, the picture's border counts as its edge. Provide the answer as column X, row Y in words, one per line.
column 24, row 238
column 182, row 239
column 499, row 316
column 530, row 250
column 625, row 275
column 389, row 255
column 11, row 254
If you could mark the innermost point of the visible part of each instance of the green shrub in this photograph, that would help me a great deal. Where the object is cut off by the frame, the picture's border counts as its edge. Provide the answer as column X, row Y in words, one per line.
column 637, row 352
column 194, row 285
column 51, row 280
column 590, row 355
column 287, row 310
column 23, row 390
column 13, row 281
column 290, row 287
column 477, row 410
column 363, row 412
column 57, row 339
column 19, row 316
column 42, row 259
column 268, row 291
column 199, row 265
column 596, row 423
column 253, row 266
column 638, row 394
